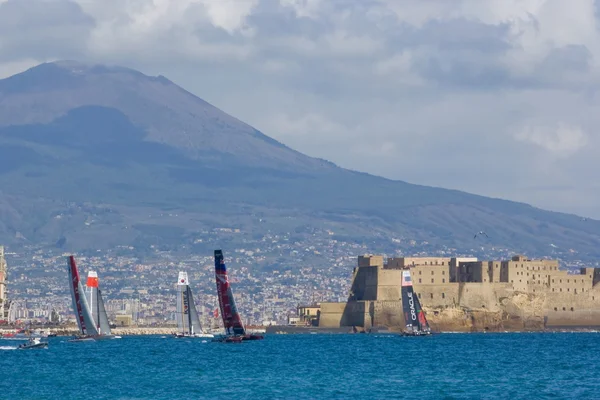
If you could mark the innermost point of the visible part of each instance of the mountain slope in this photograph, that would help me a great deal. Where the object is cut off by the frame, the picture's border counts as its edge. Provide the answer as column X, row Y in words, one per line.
column 88, row 153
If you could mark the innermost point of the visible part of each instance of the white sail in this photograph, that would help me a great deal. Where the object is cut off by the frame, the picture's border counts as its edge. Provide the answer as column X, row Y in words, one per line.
column 194, row 320
column 182, row 312
column 102, row 317
column 188, row 322
column 83, row 314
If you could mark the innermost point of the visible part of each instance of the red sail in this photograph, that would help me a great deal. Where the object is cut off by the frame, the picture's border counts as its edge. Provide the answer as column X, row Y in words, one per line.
column 74, row 274
column 231, row 317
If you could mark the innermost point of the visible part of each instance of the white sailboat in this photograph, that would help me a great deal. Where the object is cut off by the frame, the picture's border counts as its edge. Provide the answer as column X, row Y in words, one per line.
column 188, row 323
column 92, row 325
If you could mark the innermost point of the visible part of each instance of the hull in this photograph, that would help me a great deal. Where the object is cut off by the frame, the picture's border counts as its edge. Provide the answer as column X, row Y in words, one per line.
column 195, row 335
column 420, row 333
column 94, row 338
column 237, row 338
column 41, row 345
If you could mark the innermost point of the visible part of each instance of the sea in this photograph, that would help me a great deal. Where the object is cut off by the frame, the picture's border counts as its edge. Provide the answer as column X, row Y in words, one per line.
column 321, row 366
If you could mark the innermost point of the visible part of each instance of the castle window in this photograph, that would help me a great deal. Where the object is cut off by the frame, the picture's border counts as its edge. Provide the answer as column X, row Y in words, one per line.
column 419, row 272
column 567, row 281
column 568, row 289
column 564, row 309
column 560, row 281
column 419, row 280
column 553, row 289
column 431, row 295
column 443, row 272
column 575, row 290
column 552, row 280
column 431, row 280
column 561, row 289
column 443, row 280
column 511, row 281
column 572, row 309
column 431, row 272
column 443, row 295
column 555, row 309
column 442, row 263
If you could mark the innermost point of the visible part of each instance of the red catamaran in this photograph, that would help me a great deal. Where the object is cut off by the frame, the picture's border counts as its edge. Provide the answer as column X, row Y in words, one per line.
column 234, row 328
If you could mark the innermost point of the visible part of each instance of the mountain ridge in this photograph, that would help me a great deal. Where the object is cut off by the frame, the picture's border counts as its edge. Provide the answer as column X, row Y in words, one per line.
column 113, row 137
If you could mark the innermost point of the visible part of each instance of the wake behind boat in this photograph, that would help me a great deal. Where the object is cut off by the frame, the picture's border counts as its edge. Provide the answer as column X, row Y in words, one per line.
column 188, row 323
column 414, row 317
column 88, row 306
column 234, row 328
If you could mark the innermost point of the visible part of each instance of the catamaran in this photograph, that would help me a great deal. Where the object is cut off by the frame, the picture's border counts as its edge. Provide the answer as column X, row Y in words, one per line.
column 88, row 306
column 232, row 322
column 414, row 317
column 188, row 323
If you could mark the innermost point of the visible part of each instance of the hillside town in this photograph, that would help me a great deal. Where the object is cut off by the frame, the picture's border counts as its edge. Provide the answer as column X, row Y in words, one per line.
column 271, row 277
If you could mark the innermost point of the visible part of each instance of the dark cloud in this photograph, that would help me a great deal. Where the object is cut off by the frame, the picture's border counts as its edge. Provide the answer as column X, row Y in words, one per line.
column 496, row 98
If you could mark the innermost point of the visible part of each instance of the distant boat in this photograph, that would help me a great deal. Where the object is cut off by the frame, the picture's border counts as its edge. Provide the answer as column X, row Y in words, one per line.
column 188, row 323
column 33, row 343
column 232, row 322
column 414, row 318
column 88, row 306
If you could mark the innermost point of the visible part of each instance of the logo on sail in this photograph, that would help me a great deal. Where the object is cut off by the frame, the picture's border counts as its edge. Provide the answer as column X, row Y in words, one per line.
column 411, row 304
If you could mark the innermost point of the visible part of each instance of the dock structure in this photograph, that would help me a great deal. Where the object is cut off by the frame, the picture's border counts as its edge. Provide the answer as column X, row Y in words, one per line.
column 465, row 294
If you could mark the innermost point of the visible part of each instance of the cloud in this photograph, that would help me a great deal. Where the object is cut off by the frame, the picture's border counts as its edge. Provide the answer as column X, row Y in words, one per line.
column 561, row 141
column 38, row 29
column 493, row 97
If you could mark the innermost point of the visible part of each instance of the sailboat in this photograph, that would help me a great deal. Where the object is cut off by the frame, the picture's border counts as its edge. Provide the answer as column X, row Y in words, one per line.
column 232, row 322
column 88, row 306
column 414, row 317
column 188, row 323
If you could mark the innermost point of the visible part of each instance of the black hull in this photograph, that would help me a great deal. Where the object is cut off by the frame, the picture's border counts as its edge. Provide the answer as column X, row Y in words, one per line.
column 237, row 338
column 416, row 334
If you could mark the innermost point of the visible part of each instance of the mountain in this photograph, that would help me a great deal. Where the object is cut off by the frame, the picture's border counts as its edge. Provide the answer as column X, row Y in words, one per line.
column 93, row 156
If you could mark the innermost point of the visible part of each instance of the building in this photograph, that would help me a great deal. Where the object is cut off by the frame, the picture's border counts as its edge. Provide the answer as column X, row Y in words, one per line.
column 466, row 294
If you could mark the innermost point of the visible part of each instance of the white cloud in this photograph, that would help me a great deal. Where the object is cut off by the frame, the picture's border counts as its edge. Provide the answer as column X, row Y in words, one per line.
column 497, row 97
column 562, row 141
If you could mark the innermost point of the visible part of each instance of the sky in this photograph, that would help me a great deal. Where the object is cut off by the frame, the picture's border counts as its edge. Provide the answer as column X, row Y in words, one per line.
column 493, row 97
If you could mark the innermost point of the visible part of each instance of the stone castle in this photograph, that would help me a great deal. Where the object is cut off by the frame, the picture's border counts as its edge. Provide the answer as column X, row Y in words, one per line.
column 464, row 294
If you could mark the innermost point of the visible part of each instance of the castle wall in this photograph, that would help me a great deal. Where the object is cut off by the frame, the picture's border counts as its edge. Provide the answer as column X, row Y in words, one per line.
column 390, row 281
column 519, row 294
column 365, row 283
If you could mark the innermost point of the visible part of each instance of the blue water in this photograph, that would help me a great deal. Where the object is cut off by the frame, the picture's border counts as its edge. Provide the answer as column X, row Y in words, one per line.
column 445, row 366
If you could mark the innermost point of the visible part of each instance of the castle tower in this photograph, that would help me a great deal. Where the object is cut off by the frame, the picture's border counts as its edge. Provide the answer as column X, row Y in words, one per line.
column 3, row 301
